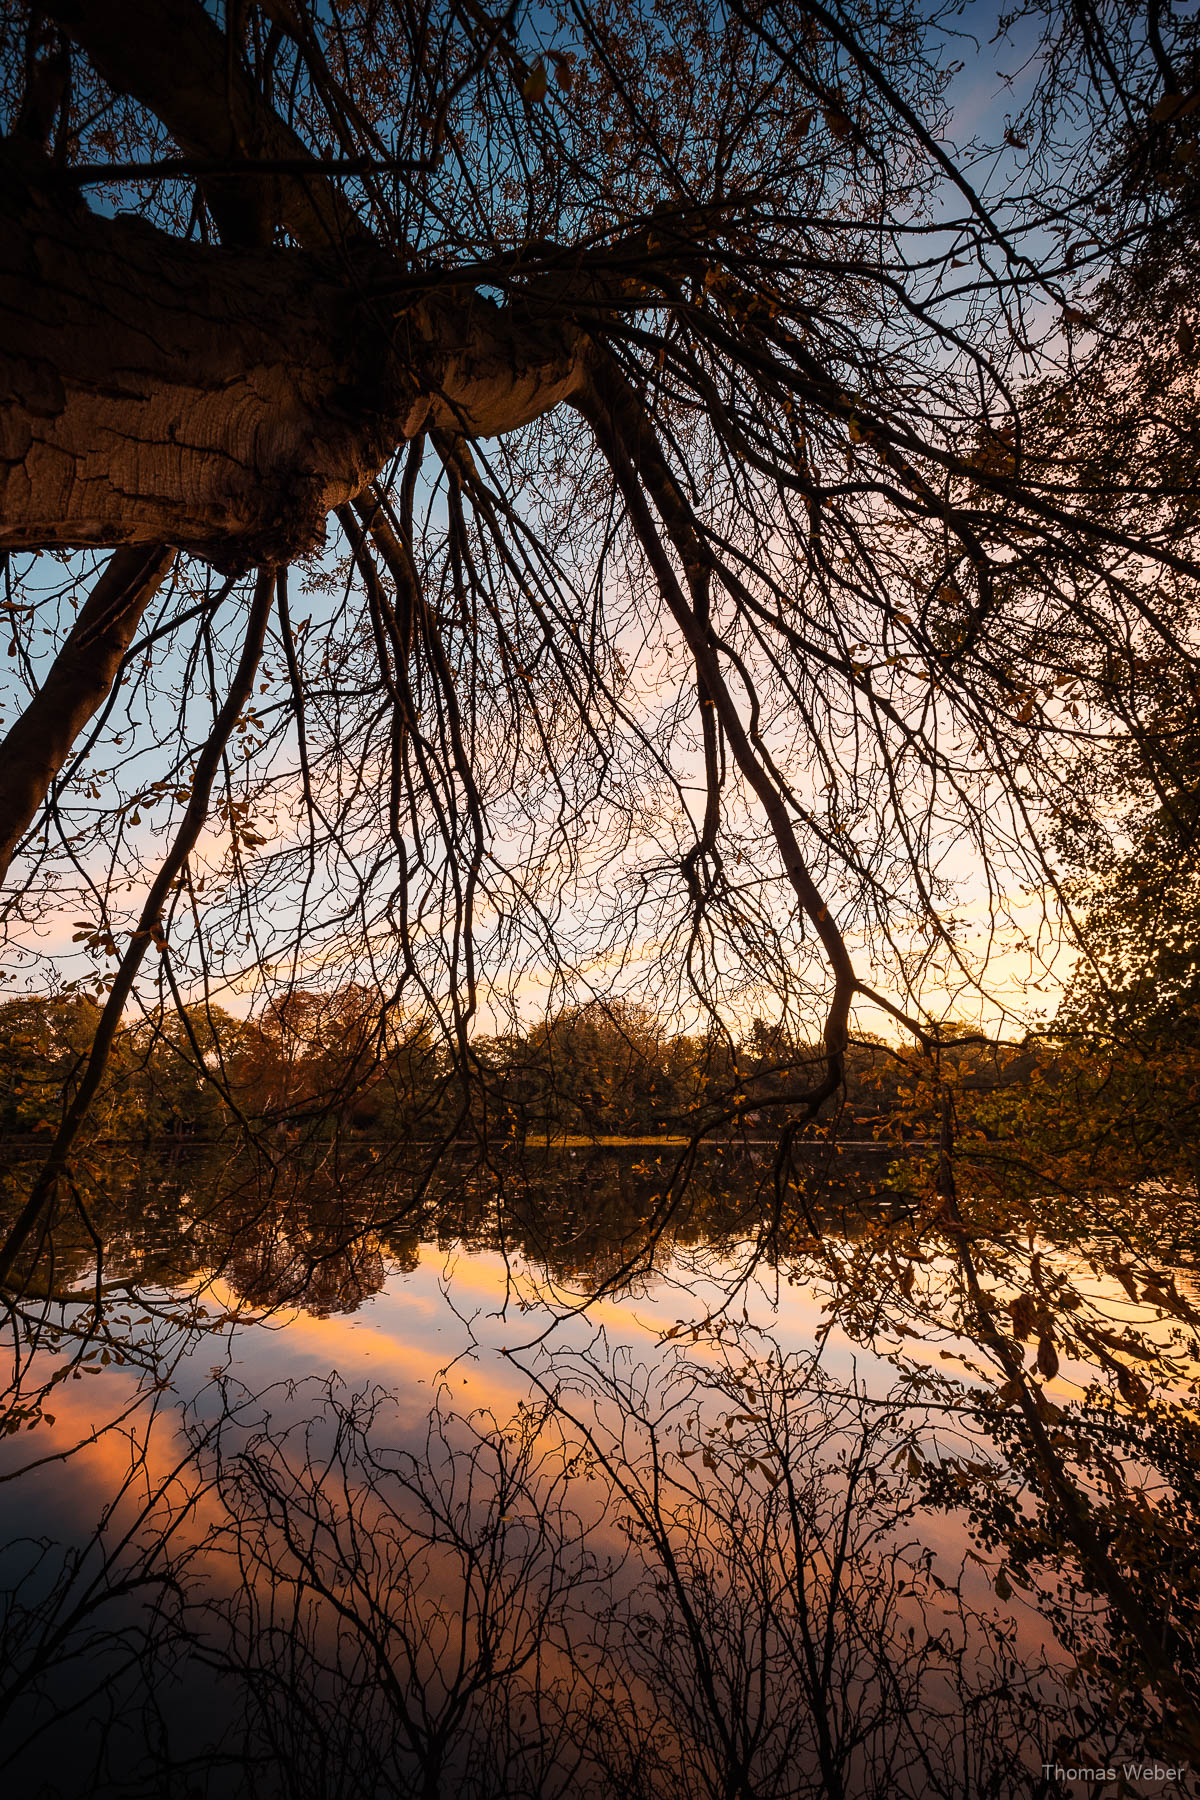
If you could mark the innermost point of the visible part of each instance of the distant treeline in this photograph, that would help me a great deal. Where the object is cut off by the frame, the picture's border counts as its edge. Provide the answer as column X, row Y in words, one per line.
column 328, row 1063
column 592, row 1070
column 1048, row 1134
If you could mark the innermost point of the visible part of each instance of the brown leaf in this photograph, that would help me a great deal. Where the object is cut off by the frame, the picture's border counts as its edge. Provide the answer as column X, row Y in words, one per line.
column 1174, row 106
column 1125, row 1277
column 1047, row 1357
column 1023, row 1310
column 1133, row 1389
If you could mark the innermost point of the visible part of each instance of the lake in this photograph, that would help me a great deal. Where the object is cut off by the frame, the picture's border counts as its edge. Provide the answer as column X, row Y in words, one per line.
column 544, row 1485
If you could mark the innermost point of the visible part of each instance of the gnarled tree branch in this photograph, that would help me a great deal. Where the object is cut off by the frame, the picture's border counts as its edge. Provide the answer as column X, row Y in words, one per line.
column 38, row 743
column 225, row 402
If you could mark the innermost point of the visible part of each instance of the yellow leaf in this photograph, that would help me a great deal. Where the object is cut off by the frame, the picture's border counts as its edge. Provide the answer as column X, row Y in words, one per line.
column 536, row 83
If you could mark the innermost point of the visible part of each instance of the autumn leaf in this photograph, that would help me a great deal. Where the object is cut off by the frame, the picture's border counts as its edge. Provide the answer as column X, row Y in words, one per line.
column 536, row 84
column 1173, row 106
column 1022, row 1311
column 1073, row 316
column 1133, row 1389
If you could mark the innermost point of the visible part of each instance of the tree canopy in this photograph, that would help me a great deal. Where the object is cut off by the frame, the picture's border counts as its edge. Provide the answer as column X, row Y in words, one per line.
column 646, row 498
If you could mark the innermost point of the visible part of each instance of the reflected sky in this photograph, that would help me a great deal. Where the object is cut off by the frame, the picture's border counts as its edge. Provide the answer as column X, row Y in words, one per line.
column 704, row 1479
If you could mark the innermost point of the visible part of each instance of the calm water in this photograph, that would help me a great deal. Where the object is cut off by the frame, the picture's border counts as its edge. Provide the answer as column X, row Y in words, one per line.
column 519, row 1499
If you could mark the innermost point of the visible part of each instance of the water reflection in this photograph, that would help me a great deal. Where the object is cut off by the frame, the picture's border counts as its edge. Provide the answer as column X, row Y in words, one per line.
column 329, row 1486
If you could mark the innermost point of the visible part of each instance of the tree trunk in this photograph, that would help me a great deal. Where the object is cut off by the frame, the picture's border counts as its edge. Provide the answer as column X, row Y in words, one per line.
column 39, row 742
column 166, row 392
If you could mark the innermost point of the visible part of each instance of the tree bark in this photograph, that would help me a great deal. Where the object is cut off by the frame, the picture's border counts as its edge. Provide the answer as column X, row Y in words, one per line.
column 39, row 742
column 166, row 392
